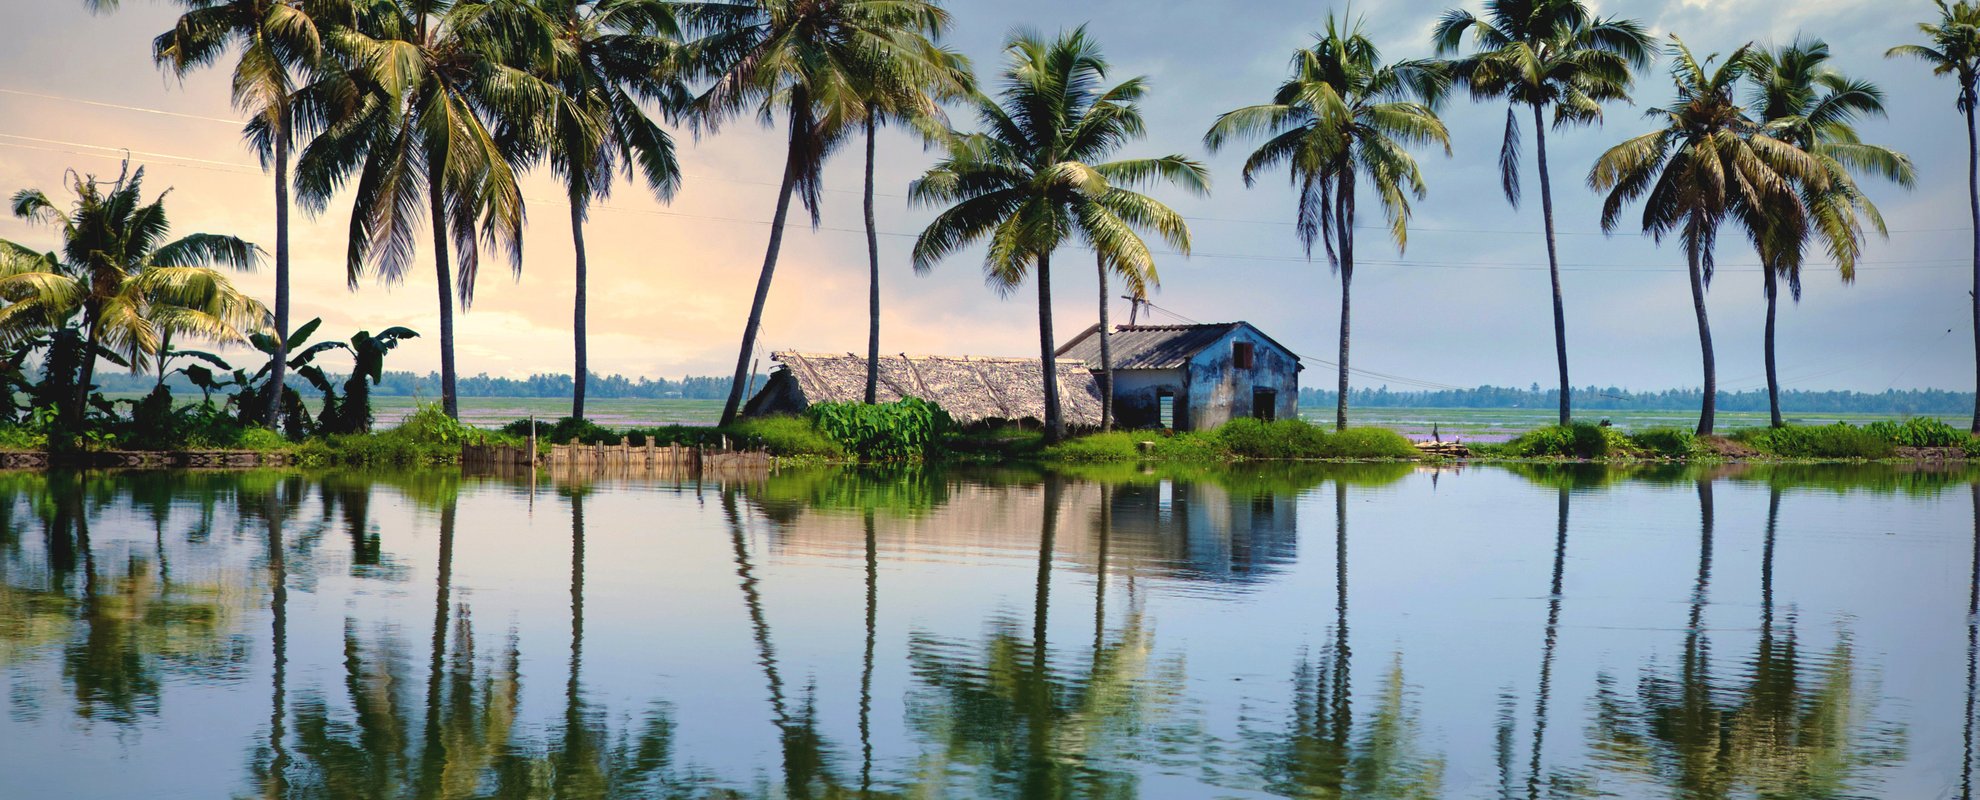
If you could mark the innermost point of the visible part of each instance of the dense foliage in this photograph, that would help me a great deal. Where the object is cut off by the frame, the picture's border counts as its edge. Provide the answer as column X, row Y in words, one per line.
column 1241, row 439
column 1840, row 440
column 905, row 429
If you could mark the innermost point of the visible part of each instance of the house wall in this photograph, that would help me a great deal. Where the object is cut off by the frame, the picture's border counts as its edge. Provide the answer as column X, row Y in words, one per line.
column 1137, row 399
column 1220, row 392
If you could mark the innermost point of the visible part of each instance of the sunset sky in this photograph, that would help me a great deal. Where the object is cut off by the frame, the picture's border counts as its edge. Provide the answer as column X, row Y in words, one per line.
column 1467, row 304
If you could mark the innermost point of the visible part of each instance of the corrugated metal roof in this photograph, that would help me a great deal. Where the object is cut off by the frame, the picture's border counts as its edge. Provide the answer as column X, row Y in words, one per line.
column 1147, row 346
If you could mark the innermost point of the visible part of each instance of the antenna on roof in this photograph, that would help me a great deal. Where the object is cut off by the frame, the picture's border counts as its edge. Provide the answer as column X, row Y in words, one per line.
column 1134, row 307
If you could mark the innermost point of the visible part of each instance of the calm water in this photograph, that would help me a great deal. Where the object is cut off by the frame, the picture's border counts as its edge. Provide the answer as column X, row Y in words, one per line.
column 1376, row 632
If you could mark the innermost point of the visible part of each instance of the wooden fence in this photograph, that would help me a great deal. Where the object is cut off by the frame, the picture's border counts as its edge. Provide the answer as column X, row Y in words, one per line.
column 671, row 459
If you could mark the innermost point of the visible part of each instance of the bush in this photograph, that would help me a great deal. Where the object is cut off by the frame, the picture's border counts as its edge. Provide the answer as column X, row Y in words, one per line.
column 905, row 429
column 568, row 430
column 1920, row 432
column 1575, row 440
column 261, row 439
column 1841, row 440
column 1369, row 443
column 1665, row 442
column 1292, row 438
column 16, row 437
column 786, row 436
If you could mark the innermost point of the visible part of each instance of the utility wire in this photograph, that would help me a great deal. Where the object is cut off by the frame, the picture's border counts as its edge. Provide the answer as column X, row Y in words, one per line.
column 56, row 145
column 700, row 176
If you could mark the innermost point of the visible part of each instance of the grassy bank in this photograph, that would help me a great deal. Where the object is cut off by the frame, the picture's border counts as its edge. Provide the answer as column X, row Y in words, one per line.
column 1841, row 441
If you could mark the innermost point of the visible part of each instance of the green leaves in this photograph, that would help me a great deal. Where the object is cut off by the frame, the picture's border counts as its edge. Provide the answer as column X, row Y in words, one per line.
column 903, row 430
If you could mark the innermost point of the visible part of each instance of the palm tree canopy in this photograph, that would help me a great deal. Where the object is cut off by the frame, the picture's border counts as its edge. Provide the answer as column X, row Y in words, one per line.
column 275, row 38
column 115, row 256
column 1955, row 47
column 610, row 59
column 421, row 92
column 1543, row 53
column 811, row 59
column 1037, row 178
column 1804, row 101
column 1342, row 114
column 1711, row 160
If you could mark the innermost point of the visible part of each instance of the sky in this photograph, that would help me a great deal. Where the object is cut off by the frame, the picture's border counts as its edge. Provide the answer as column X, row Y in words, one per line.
column 1465, row 304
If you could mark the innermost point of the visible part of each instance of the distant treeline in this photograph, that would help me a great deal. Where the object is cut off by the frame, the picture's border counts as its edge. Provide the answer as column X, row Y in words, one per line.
column 1592, row 398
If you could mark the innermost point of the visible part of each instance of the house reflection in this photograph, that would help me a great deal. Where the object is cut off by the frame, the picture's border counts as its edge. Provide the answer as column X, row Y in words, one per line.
column 1176, row 526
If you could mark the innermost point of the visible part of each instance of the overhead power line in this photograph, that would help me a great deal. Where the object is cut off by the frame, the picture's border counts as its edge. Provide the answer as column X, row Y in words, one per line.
column 101, row 151
column 751, row 182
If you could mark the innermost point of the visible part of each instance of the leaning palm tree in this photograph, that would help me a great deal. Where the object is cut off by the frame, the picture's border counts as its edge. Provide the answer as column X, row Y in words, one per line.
column 1709, row 162
column 1955, row 51
column 1343, row 116
column 802, row 58
column 1038, row 178
column 608, row 57
column 413, row 112
column 906, row 86
column 1541, row 53
column 117, row 278
column 1806, row 103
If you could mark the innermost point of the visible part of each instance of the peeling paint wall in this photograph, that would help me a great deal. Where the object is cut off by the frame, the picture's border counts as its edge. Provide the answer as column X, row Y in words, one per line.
column 1137, row 397
column 1220, row 391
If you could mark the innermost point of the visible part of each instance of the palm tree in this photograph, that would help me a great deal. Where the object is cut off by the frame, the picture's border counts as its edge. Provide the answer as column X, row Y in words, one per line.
column 608, row 57
column 276, row 39
column 130, row 287
column 1541, row 53
column 804, row 58
column 907, row 87
column 1709, row 161
column 1038, row 178
column 1342, row 115
column 424, row 88
column 1810, row 105
column 1955, row 50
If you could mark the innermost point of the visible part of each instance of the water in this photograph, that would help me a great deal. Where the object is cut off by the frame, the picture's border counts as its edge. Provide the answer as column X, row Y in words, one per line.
column 1362, row 631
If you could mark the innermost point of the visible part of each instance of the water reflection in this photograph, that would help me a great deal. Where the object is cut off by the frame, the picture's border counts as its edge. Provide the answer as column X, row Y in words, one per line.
column 1787, row 725
column 931, row 633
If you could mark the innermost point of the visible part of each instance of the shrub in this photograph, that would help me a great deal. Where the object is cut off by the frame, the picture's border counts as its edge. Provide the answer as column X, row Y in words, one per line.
column 1666, row 442
column 1369, row 443
column 564, row 431
column 904, row 429
column 1841, row 440
column 262, row 439
column 1576, row 440
column 1920, row 432
column 786, row 436
column 17, row 437
column 1292, row 438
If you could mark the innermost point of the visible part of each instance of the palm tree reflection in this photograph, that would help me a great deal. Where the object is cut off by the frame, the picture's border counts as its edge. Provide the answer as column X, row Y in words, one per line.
column 1786, row 726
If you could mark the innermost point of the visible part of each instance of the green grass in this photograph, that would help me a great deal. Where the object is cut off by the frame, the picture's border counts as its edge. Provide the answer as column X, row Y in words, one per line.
column 1838, row 441
column 1244, row 439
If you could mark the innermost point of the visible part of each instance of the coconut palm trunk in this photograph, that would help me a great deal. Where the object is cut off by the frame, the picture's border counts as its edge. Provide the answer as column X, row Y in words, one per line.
column 92, row 314
column 1346, row 224
column 873, row 266
column 1973, row 202
column 1553, row 260
column 1106, row 354
column 280, row 374
column 444, row 278
column 581, row 364
column 1055, row 428
column 1773, row 291
column 1710, row 400
column 785, row 187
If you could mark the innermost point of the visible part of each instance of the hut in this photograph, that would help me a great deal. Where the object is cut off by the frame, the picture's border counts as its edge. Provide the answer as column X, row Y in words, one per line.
column 974, row 390
column 1194, row 377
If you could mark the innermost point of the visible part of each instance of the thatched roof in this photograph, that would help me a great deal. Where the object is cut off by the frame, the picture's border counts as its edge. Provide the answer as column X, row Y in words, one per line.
column 972, row 389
